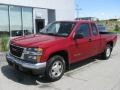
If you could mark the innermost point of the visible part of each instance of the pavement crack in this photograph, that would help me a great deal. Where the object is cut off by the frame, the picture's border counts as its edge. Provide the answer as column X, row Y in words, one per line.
column 67, row 75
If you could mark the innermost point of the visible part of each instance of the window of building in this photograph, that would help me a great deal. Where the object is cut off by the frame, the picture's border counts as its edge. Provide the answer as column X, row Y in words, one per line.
column 84, row 29
column 51, row 15
column 94, row 29
column 4, row 22
column 15, row 21
column 27, row 20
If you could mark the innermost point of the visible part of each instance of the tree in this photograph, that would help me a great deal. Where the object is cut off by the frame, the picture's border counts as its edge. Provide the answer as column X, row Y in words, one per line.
column 97, row 20
column 116, row 28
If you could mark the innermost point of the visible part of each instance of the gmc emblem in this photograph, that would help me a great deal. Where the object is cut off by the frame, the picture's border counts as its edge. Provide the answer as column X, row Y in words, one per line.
column 13, row 49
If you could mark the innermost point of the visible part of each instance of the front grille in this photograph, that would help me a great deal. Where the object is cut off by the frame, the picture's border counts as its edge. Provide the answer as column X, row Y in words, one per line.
column 16, row 51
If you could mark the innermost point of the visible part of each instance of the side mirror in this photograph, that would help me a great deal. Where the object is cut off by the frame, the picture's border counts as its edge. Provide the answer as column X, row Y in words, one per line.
column 78, row 36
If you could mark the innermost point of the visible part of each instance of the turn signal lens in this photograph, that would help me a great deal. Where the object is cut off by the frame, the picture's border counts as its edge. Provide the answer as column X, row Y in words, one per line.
column 40, row 49
column 38, row 58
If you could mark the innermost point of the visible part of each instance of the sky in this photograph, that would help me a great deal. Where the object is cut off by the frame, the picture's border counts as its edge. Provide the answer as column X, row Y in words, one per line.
column 102, row 9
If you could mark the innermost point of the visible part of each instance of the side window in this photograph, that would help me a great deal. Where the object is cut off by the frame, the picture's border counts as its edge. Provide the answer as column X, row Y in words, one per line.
column 84, row 29
column 94, row 29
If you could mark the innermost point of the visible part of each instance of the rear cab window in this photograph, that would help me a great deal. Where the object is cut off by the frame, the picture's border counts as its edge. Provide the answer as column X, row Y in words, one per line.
column 94, row 29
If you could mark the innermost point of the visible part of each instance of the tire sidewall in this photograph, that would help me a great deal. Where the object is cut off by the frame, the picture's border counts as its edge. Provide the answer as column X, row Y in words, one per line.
column 50, row 62
column 108, row 46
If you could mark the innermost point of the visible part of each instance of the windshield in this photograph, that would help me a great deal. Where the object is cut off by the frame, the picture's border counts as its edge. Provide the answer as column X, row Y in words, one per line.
column 58, row 29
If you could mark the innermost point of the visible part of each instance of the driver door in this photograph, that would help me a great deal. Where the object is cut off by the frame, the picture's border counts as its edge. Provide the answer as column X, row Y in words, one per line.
column 81, row 48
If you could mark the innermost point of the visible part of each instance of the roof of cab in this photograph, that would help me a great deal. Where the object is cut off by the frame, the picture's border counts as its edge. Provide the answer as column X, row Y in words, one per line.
column 77, row 21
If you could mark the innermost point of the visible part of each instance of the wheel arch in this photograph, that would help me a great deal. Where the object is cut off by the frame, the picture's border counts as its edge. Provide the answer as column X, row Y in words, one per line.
column 64, row 54
column 110, row 43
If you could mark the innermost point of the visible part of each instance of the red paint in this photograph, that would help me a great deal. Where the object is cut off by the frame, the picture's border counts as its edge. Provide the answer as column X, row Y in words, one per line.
column 77, row 49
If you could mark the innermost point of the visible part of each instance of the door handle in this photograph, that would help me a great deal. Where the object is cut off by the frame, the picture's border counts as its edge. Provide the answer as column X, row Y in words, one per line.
column 90, row 40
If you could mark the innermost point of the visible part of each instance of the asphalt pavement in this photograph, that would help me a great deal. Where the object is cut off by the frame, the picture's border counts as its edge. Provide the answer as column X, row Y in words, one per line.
column 92, row 74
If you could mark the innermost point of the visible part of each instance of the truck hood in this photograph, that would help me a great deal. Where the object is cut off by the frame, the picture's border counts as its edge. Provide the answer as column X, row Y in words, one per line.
column 35, row 40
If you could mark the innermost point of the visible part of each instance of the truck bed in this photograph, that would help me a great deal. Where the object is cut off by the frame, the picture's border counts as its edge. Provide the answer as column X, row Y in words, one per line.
column 109, row 36
column 106, row 33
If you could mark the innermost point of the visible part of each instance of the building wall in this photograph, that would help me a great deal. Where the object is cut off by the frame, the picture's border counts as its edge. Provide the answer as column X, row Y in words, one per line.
column 28, row 12
column 65, row 9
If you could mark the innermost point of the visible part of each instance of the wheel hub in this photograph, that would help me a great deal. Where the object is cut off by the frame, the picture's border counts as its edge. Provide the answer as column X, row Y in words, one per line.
column 108, row 51
column 57, row 69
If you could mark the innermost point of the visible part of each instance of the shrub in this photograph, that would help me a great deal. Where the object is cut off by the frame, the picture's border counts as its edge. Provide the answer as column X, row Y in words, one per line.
column 116, row 28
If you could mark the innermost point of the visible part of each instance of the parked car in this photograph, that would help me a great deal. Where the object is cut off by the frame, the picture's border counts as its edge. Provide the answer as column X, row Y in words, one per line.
column 101, row 28
column 57, row 46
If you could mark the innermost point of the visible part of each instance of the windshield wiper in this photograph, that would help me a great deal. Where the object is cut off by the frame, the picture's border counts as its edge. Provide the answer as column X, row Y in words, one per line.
column 56, row 34
column 48, row 33
column 42, row 33
column 53, row 34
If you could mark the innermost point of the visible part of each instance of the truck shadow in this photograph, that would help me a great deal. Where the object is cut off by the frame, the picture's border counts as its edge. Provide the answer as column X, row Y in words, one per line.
column 21, row 77
column 29, row 79
column 81, row 63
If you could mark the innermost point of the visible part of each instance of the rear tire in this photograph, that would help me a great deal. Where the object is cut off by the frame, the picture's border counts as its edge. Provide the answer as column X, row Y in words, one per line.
column 107, row 52
column 55, row 68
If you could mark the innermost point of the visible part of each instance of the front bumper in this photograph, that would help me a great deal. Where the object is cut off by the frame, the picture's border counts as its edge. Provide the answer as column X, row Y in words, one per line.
column 38, row 68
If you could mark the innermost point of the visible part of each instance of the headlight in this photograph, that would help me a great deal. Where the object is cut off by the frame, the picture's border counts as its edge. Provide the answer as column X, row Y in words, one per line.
column 33, row 54
column 34, row 51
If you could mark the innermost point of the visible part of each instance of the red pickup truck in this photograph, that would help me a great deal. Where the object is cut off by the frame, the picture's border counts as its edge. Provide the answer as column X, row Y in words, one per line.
column 57, row 46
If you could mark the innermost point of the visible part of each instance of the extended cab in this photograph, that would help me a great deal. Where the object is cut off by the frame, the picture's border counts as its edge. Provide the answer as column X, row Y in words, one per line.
column 54, row 48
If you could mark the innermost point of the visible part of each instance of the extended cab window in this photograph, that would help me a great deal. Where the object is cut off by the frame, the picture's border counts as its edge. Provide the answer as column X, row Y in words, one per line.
column 84, row 29
column 94, row 29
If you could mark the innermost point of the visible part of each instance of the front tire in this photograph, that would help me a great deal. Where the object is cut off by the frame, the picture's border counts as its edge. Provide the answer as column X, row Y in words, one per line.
column 55, row 68
column 107, row 52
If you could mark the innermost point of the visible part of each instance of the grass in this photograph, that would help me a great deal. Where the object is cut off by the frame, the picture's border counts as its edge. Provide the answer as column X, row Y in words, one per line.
column 118, row 32
column 111, row 25
column 4, row 39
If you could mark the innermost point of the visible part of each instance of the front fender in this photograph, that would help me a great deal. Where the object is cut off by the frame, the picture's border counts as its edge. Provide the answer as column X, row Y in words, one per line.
column 51, row 50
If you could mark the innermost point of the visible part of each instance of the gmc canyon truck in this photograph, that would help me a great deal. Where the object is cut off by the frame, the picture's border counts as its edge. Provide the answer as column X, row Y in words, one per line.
column 57, row 46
